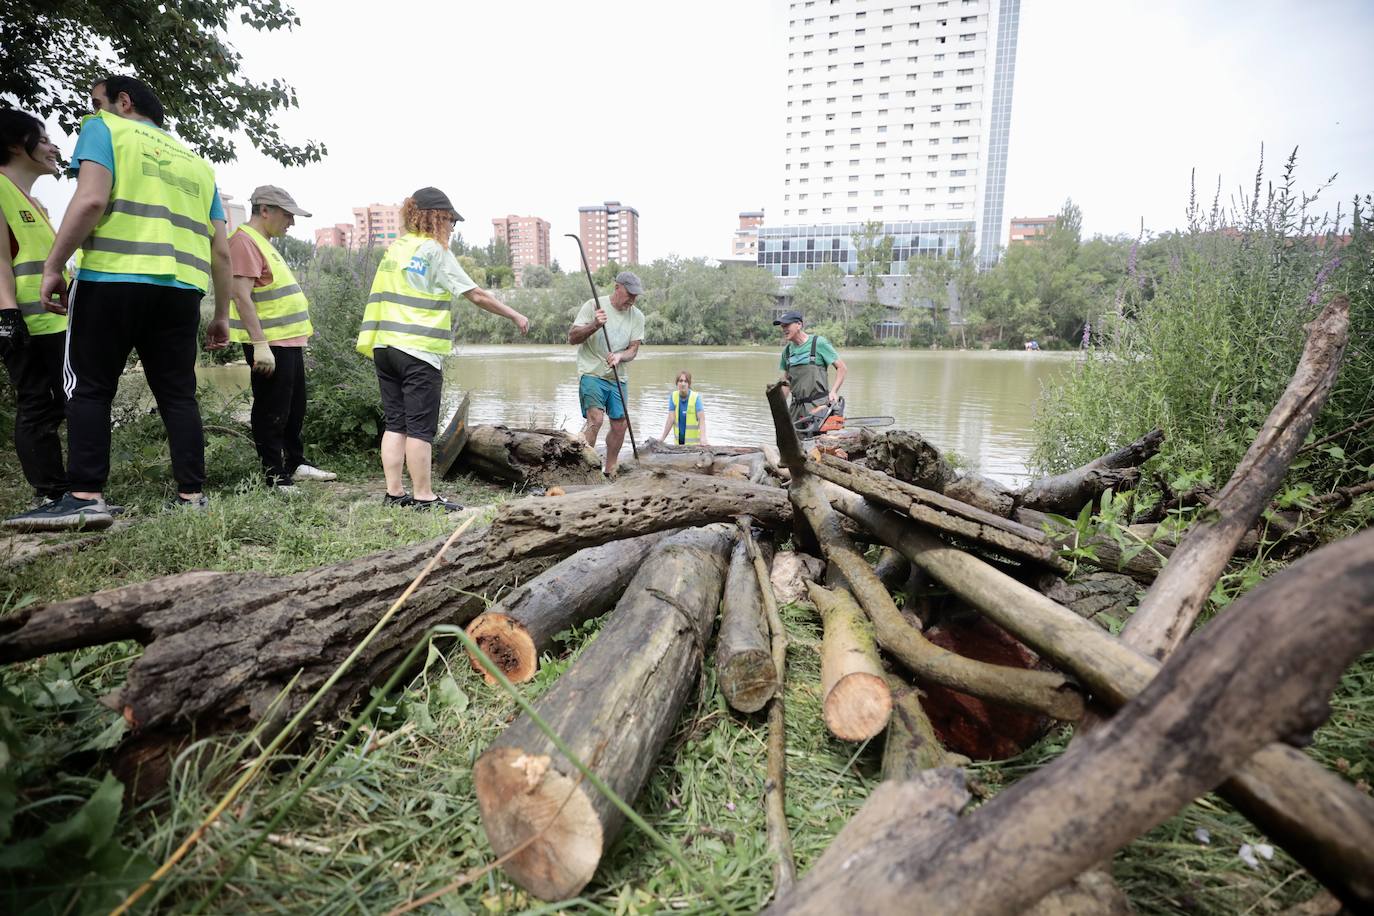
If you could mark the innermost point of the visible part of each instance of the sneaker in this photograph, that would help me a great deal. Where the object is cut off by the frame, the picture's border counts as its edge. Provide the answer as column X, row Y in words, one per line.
column 404, row 499
column 438, row 502
column 65, row 514
column 198, row 504
column 307, row 472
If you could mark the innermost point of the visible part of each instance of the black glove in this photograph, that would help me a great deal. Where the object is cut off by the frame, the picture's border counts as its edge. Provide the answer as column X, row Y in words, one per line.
column 14, row 333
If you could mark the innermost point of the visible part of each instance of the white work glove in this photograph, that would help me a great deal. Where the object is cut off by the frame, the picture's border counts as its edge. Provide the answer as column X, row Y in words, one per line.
column 264, row 360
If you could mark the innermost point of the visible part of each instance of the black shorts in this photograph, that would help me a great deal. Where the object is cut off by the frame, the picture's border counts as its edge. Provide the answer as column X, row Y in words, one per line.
column 410, row 393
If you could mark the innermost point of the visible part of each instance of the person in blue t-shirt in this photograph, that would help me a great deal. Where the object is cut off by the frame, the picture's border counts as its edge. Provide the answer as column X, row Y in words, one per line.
column 686, row 414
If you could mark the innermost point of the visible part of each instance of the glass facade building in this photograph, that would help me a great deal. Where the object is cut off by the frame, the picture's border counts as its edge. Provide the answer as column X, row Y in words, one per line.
column 788, row 250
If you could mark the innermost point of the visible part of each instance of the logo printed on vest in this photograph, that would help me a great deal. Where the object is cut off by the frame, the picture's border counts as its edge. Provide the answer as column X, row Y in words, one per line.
column 418, row 265
column 26, row 216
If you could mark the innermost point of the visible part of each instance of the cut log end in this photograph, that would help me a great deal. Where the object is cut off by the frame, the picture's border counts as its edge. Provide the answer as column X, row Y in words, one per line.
column 506, row 642
column 529, row 806
column 749, row 678
column 858, row 707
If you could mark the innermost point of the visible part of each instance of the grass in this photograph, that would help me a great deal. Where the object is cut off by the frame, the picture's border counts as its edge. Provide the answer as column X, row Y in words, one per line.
column 394, row 816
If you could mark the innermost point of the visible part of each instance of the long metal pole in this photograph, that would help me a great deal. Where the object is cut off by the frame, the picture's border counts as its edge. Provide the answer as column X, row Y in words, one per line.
column 619, row 387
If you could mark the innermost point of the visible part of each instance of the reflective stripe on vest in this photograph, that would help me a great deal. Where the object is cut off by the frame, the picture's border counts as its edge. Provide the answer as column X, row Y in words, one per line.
column 397, row 314
column 29, row 227
column 690, row 434
column 157, row 222
column 283, row 310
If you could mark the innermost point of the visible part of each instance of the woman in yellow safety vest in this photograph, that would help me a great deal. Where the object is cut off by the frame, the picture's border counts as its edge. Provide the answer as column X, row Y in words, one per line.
column 407, row 332
column 32, row 339
column 686, row 415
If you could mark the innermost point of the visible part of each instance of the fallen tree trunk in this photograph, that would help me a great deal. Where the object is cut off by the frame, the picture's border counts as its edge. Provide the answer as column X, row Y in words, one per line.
column 615, row 707
column 649, row 502
column 1320, row 819
column 744, row 660
column 855, row 700
column 940, row 512
column 530, row 457
column 1040, row 691
column 520, row 627
column 906, row 455
column 1066, row 494
column 1172, row 605
column 1258, row 674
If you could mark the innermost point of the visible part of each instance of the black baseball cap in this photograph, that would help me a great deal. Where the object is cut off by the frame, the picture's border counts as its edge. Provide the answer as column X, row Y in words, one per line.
column 434, row 199
column 791, row 317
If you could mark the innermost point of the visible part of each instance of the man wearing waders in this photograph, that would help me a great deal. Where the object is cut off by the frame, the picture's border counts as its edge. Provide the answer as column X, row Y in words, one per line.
column 805, row 362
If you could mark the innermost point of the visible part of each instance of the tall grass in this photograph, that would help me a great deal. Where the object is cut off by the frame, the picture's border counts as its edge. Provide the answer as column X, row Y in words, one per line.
column 1203, row 346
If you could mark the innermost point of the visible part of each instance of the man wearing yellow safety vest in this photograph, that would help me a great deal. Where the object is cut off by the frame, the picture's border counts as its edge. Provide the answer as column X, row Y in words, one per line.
column 686, row 414
column 408, row 330
column 269, row 315
column 149, row 223
column 31, row 338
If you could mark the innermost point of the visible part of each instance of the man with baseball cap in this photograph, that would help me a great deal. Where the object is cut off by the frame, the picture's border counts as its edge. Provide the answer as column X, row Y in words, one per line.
column 270, row 317
column 596, row 365
column 408, row 330
column 806, row 359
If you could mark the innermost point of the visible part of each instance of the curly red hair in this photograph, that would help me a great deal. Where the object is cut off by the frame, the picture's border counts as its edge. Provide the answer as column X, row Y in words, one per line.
column 432, row 223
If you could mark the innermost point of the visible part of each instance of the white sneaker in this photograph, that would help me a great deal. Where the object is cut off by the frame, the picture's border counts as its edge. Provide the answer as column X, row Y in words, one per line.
column 306, row 472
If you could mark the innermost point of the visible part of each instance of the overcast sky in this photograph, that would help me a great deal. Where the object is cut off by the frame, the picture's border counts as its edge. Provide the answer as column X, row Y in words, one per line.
column 537, row 107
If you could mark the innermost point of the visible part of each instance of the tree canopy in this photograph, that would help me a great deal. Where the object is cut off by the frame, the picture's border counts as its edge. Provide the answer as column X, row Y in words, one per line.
column 53, row 51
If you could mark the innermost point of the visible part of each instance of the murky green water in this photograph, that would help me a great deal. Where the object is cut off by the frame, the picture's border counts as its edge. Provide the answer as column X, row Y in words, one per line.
column 976, row 403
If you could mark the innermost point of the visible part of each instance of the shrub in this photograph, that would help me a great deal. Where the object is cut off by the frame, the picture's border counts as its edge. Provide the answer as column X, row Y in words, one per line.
column 1204, row 344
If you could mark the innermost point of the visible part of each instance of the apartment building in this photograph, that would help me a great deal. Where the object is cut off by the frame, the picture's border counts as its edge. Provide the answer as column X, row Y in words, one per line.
column 377, row 225
column 896, row 113
column 610, row 232
column 745, row 244
column 527, row 237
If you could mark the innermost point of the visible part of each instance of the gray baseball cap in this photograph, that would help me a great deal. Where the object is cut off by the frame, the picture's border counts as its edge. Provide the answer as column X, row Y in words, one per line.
column 274, row 196
column 631, row 283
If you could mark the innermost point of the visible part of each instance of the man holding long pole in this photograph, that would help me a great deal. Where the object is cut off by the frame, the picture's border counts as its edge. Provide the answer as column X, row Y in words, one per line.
column 607, row 339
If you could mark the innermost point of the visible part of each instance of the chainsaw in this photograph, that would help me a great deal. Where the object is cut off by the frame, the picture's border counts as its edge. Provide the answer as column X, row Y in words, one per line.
column 830, row 417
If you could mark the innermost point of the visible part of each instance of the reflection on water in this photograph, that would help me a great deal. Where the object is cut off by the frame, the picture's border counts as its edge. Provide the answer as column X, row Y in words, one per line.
column 977, row 404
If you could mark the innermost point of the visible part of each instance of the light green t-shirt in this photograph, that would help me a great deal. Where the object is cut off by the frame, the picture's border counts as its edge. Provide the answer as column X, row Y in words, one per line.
column 624, row 327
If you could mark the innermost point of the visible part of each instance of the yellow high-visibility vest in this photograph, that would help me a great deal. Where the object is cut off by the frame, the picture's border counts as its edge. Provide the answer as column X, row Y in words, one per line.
column 157, row 222
column 29, row 227
column 397, row 314
column 283, row 310
column 692, row 432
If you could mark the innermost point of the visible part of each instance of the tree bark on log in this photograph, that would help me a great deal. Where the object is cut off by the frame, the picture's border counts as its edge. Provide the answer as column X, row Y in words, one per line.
column 775, row 786
column 905, row 455
column 982, row 493
column 520, row 627
column 1171, row 607
column 744, row 660
column 911, row 746
column 651, row 502
column 940, row 512
column 1040, row 691
column 855, row 700
column 529, row 457
column 1067, row 494
column 615, row 707
column 1259, row 674
column 1316, row 816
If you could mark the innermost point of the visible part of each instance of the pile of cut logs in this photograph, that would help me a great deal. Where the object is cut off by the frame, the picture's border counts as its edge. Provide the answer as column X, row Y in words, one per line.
column 992, row 643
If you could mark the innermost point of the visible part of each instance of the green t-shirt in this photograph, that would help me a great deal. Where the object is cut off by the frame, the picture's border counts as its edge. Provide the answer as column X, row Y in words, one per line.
column 624, row 327
column 826, row 354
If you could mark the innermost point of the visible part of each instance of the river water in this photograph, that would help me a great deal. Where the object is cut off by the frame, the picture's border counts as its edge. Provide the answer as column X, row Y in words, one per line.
column 976, row 403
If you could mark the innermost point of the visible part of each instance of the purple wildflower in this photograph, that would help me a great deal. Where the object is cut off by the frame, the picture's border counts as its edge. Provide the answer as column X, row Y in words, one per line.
column 1087, row 334
column 1322, row 276
column 1131, row 258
